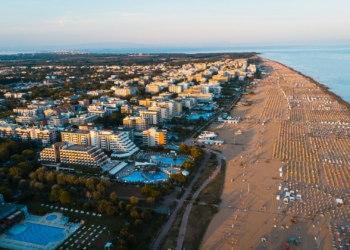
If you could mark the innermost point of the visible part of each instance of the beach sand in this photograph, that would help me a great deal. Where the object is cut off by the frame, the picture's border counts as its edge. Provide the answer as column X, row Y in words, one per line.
column 249, row 209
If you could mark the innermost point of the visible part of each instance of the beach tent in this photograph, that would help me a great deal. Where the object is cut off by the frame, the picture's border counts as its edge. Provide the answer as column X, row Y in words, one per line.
column 339, row 202
column 108, row 245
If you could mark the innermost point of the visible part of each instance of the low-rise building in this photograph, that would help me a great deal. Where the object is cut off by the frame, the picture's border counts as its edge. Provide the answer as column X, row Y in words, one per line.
column 82, row 119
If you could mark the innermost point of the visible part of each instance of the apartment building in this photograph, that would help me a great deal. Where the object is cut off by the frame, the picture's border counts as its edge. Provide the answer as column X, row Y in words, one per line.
column 82, row 119
column 152, row 116
column 44, row 135
column 152, row 88
column 104, row 139
column 67, row 108
column 14, row 95
column 113, row 141
column 80, row 137
column 57, row 120
column 25, row 111
column 154, row 137
column 125, row 91
column 136, row 122
column 25, row 120
column 126, row 109
column 7, row 130
column 200, row 97
column 128, row 131
column 175, row 88
column 67, row 153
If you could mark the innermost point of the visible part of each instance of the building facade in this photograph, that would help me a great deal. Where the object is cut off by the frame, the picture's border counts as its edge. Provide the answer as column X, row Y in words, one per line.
column 154, row 137
column 67, row 153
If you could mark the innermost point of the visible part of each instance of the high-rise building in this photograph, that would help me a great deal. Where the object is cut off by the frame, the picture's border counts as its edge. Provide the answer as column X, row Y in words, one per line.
column 104, row 139
column 68, row 153
column 154, row 137
column 152, row 115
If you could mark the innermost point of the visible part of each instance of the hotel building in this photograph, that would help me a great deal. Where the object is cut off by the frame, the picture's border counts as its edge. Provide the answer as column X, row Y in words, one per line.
column 67, row 153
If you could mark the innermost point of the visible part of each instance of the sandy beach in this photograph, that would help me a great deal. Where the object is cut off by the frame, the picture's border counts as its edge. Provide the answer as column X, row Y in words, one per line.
column 295, row 135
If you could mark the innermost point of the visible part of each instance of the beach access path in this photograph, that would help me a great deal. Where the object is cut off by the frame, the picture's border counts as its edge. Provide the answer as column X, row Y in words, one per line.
column 179, row 205
column 183, row 226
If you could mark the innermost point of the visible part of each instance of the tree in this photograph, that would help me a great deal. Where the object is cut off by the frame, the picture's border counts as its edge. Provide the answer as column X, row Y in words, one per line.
column 134, row 214
column 4, row 154
column 6, row 192
column 146, row 215
column 183, row 148
column 178, row 177
column 61, row 179
column 17, row 158
column 134, row 200
column 55, row 195
column 64, row 197
column 139, row 224
column 90, row 184
column 23, row 185
column 111, row 210
column 102, row 205
column 105, row 183
column 39, row 186
column 14, row 171
column 197, row 153
column 188, row 165
column 29, row 154
column 113, row 196
column 96, row 195
column 121, row 205
column 150, row 200
column 51, row 177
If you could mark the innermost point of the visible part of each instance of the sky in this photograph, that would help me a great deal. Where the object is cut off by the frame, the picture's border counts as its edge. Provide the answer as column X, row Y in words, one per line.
column 170, row 23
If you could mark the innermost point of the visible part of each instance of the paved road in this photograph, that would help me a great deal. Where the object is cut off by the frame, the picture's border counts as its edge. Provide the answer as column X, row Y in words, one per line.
column 179, row 205
column 183, row 226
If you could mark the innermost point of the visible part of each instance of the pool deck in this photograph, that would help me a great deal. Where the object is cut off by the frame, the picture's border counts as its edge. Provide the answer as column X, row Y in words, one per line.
column 69, row 229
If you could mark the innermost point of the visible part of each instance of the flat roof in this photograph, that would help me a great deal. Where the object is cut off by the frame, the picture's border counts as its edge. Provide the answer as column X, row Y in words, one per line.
column 78, row 148
column 117, row 168
column 78, row 131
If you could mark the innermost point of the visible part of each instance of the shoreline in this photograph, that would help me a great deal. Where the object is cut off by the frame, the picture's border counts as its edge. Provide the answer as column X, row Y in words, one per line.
column 264, row 158
column 325, row 88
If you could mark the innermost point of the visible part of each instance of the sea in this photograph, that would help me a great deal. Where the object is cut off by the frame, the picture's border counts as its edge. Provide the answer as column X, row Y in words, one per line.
column 328, row 65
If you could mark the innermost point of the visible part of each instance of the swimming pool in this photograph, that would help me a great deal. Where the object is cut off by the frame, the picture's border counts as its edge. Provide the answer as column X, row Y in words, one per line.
column 138, row 177
column 134, row 177
column 35, row 233
column 158, row 176
column 168, row 160
column 51, row 217
column 197, row 116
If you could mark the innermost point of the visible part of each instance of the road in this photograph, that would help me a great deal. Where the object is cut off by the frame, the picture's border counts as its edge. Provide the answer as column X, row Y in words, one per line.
column 183, row 226
column 171, row 220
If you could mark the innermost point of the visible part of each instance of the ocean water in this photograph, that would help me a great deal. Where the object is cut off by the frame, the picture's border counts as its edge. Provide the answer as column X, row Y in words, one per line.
column 326, row 65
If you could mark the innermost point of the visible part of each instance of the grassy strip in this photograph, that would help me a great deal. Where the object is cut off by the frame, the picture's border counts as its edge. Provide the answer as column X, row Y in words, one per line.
column 200, row 216
column 170, row 241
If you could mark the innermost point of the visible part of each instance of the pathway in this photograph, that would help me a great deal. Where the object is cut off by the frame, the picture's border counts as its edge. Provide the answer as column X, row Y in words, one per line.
column 194, row 196
column 179, row 205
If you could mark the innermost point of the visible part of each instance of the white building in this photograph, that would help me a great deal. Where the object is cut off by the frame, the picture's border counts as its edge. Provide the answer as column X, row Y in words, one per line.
column 175, row 88
column 154, row 137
